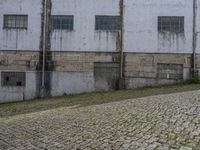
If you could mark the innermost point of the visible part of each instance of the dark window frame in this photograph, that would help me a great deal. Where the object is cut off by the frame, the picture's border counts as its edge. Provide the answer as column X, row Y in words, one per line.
column 102, row 23
column 69, row 26
column 24, row 18
column 174, row 24
column 19, row 81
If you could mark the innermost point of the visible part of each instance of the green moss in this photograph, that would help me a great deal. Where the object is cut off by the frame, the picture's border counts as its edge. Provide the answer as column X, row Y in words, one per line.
column 156, row 148
column 194, row 79
column 186, row 141
column 87, row 99
column 175, row 136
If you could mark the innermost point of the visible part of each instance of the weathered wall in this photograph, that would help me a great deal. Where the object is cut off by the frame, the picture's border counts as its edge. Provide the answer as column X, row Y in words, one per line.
column 19, row 62
column 141, row 69
column 84, row 37
column 75, row 71
column 141, row 31
column 71, row 82
column 74, row 53
column 198, row 27
column 17, row 39
column 8, row 94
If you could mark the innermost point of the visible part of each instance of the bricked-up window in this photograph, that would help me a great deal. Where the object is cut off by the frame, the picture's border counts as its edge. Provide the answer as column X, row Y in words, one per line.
column 62, row 22
column 13, row 79
column 170, row 71
column 107, row 23
column 106, row 69
column 171, row 24
column 15, row 21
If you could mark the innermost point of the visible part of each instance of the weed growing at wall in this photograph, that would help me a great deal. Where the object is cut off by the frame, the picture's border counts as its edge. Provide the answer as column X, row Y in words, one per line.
column 194, row 79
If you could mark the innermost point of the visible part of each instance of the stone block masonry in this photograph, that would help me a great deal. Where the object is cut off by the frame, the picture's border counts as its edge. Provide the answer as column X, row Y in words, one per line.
column 75, row 71
column 142, row 69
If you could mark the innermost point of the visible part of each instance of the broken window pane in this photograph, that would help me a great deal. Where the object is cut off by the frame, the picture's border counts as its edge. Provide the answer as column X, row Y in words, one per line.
column 13, row 78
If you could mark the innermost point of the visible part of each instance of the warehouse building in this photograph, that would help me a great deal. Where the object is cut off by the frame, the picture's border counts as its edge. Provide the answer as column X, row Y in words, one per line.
column 56, row 47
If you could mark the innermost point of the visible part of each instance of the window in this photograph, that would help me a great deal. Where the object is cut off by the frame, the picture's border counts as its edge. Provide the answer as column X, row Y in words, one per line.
column 170, row 24
column 15, row 21
column 170, row 71
column 107, row 23
column 13, row 78
column 62, row 22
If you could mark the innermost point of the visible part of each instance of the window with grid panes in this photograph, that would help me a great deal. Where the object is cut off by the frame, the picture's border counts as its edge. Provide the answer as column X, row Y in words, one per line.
column 107, row 23
column 15, row 21
column 13, row 79
column 62, row 22
column 171, row 24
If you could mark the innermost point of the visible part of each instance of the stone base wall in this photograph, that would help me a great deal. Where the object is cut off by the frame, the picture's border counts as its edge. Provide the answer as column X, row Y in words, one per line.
column 19, row 60
column 77, row 72
column 142, row 69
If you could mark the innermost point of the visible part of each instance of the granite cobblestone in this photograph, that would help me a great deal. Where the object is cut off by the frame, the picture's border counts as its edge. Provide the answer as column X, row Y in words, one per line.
column 161, row 122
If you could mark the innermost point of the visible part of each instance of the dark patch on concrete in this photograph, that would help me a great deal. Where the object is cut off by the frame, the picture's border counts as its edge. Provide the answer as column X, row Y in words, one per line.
column 194, row 71
column 121, row 47
column 39, row 66
column 49, row 64
column 106, row 75
column 170, row 40
column 49, row 67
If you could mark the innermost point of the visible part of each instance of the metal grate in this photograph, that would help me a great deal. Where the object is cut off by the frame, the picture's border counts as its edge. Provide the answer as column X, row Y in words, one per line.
column 107, row 23
column 170, row 24
column 15, row 21
column 62, row 22
column 106, row 69
column 170, row 71
column 13, row 78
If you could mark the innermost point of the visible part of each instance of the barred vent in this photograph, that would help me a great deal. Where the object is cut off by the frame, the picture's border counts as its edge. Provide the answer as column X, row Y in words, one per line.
column 170, row 71
column 13, row 78
column 106, row 69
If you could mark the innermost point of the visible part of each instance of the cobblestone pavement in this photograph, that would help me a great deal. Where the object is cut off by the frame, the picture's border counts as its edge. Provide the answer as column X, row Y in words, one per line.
column 154, row 123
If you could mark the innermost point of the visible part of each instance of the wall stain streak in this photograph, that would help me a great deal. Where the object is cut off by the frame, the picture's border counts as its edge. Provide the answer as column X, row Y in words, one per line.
column 49, row 65
column 121, row 46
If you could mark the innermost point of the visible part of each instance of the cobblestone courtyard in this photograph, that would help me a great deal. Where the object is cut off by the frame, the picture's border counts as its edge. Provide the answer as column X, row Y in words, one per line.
column 158, row 122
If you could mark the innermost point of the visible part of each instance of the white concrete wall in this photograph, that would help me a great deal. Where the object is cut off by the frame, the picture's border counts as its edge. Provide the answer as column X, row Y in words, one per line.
column 8, row 94
column 12, row 39
column 141, row 34
column 198, row 27
column 84, row 37
column 141, row 30
column 71, row 82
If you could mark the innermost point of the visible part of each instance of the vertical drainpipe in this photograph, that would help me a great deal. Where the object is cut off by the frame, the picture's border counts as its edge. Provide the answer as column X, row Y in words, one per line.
column 193, row 65
column 44, row 46
column 46, row 57
column 121, row 5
